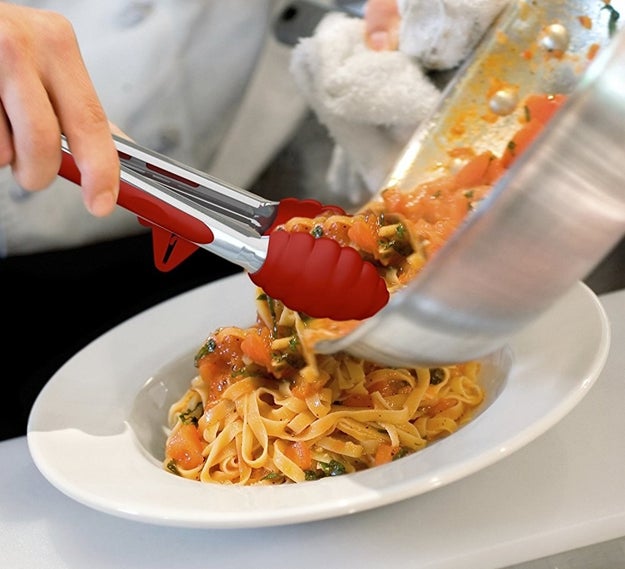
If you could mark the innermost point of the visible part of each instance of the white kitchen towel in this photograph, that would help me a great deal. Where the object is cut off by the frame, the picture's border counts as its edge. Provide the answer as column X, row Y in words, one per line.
column 370, row 101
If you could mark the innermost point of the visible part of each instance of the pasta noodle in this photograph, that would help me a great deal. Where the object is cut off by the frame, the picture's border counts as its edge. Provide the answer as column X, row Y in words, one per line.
column 265, row 408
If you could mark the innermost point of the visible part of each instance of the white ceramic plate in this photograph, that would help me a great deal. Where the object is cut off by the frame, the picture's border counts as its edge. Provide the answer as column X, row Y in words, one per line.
column 95, row 441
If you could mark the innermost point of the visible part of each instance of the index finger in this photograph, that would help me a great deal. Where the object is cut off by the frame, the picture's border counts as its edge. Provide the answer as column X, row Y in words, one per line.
column 382, row 24
column 84, row 123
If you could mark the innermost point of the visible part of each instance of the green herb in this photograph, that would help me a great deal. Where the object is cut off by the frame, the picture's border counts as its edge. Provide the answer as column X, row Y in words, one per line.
column 171, row 466
column 208, row 348
column 437, row 375
column 292, row 359
column 400, row 246
column 468, row 194
column 612, row 21
column 332, row 468
column 191, row 415
column 512, row 146
column 403, row 451
column 272, row 476
column 317, row 231
column 271, row 304
column 528, row 114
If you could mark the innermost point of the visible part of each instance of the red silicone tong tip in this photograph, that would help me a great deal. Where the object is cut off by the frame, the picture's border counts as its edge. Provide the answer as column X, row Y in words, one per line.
column 320, row 278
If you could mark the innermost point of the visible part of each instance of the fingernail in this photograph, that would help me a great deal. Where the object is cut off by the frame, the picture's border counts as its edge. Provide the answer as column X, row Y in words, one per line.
column 102, row 204
column 379, row 40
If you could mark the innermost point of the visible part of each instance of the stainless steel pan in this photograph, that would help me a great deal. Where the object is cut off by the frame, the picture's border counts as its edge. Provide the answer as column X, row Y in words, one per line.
column 547, row 223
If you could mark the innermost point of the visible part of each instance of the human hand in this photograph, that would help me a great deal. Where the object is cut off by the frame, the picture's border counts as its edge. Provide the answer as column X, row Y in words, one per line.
column 382, row 24
column 45, row 91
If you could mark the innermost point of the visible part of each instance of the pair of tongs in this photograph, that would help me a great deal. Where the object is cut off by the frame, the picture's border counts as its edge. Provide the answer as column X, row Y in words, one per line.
column 188, row 209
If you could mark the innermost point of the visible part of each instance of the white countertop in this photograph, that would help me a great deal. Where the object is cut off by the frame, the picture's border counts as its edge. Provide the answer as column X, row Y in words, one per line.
column 563, row 491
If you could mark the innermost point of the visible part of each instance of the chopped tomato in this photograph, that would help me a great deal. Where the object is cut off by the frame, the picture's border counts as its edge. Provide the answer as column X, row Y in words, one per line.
column 423, row 202
column 384, row 453
column 215, row 374
column 389, row 387
column 337, row 230
column 592, row 51
column 216, row 367
column 303, row 389
column 299, row 453
column 476, row 171
column 542, row 107
column 364, row 234
column 441, row 406
column 257, row 346
column 520, row 141
column 185, row 446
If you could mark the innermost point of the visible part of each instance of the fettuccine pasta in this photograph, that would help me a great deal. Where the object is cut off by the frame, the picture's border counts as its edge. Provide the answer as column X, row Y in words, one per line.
column 265, row 408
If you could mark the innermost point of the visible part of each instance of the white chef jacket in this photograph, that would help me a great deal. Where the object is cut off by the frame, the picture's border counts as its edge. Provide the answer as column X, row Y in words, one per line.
column 178, row 77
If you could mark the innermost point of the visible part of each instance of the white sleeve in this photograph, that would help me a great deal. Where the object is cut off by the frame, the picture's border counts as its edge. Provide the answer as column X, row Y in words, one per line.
column 53, row 219
column 172, row 75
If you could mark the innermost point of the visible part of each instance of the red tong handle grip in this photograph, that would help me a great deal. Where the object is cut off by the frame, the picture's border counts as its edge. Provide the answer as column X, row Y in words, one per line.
column 150, row 210
column 320, row 278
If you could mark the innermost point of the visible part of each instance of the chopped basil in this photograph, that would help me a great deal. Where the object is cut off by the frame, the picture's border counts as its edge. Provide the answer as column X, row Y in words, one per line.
column 272, row 476
column 403, row 451
column 612, row 21
column 332, row 468
column 208, row 348
column 271, row 304
column 317, row 231
column 437, row 375
column 191, row 415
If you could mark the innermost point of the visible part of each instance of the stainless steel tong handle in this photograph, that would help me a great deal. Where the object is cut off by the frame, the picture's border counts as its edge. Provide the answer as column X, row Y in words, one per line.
column 225, row 220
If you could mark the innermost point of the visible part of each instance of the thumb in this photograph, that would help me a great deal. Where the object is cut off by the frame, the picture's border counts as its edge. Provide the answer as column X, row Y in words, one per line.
column 382, row 24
